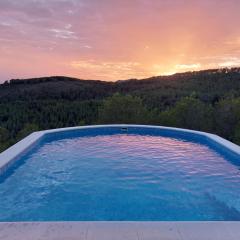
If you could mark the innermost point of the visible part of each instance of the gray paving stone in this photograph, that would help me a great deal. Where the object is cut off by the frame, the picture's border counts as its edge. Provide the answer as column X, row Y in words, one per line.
column 120, row 231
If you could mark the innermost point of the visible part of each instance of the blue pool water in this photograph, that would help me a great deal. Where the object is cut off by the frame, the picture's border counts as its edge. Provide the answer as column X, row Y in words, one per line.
column 121, row 176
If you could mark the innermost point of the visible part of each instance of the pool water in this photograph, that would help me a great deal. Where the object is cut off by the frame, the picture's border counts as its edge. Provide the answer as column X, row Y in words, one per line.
column 121, row 177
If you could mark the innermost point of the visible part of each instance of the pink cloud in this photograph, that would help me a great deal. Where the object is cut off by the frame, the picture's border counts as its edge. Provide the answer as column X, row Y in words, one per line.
column 49, row 33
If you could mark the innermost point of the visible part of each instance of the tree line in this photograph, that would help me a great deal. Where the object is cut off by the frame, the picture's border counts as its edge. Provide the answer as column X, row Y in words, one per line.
column 206, row 101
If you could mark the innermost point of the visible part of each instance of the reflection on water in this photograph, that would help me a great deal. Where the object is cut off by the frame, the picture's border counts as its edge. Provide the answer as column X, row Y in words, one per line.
column 122, row 177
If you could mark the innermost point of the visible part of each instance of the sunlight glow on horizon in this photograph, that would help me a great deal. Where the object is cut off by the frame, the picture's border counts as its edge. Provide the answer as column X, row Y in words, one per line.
column 116, row 40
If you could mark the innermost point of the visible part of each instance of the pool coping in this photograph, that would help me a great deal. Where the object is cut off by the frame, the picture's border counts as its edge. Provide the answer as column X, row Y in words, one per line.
column 120, row 231
column 8, row 156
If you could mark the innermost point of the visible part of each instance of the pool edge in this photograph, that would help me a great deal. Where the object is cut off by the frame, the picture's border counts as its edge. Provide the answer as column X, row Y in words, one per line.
column 120, row 230
column 8, row 156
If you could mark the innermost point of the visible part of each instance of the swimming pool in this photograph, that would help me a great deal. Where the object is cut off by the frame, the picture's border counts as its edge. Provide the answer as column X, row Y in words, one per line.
column 122, row 173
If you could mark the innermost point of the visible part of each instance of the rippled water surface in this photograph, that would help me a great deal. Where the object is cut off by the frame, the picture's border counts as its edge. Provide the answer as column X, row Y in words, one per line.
column 122, row 177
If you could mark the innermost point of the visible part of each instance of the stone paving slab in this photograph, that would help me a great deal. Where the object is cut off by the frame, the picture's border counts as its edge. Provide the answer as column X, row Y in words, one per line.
column 120, row 230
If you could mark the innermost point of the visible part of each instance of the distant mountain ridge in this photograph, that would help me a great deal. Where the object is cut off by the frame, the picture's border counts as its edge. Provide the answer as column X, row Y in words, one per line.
column 65, row 78
column 207, row 85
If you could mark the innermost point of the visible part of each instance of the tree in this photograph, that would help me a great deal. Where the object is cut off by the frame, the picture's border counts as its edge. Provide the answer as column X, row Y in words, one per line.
column 123, row 109
column 189, row 113
column 236, row 137
column 4, row 138
column 28, row 129
column 227, row 117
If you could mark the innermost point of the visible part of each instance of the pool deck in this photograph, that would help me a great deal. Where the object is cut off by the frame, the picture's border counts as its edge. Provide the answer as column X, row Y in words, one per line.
column 120, row 231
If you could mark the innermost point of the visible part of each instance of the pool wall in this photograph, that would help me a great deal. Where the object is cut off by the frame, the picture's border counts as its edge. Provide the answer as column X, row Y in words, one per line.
column 12, row 154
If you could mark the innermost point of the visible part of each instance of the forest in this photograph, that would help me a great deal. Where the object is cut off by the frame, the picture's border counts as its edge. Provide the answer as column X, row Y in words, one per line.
column 206, row 100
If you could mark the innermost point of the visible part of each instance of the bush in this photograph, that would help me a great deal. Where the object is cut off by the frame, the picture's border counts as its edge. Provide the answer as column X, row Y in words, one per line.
column 189, row 113
column 123, row 109
column 227, row 117
column 4, row 138
column 28, row 129
column 236, row 137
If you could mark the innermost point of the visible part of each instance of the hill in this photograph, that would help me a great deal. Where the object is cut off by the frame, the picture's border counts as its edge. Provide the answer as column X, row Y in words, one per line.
column 208, row 85
column 205, row 100
column 56, row 87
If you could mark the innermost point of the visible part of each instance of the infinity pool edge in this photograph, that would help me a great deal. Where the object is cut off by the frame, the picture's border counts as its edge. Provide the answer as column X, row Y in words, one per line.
column 8, row 157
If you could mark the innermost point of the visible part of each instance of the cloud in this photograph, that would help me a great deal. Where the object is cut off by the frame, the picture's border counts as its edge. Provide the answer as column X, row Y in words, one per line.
column 109, row 70
column 87, row 46
column 188, row 66
column 230, row 62
column 160, row 36
column 119, row 66
column 63, row 33
column 6, row 24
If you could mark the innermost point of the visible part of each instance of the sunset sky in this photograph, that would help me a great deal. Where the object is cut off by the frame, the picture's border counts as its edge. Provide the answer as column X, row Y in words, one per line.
column 116, row 39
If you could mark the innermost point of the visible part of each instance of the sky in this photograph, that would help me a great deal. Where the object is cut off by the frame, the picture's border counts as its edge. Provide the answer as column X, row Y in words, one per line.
column 116, row 39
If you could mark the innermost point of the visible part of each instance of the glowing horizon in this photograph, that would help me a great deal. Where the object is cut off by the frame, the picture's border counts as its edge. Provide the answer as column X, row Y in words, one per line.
column 114, row 40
